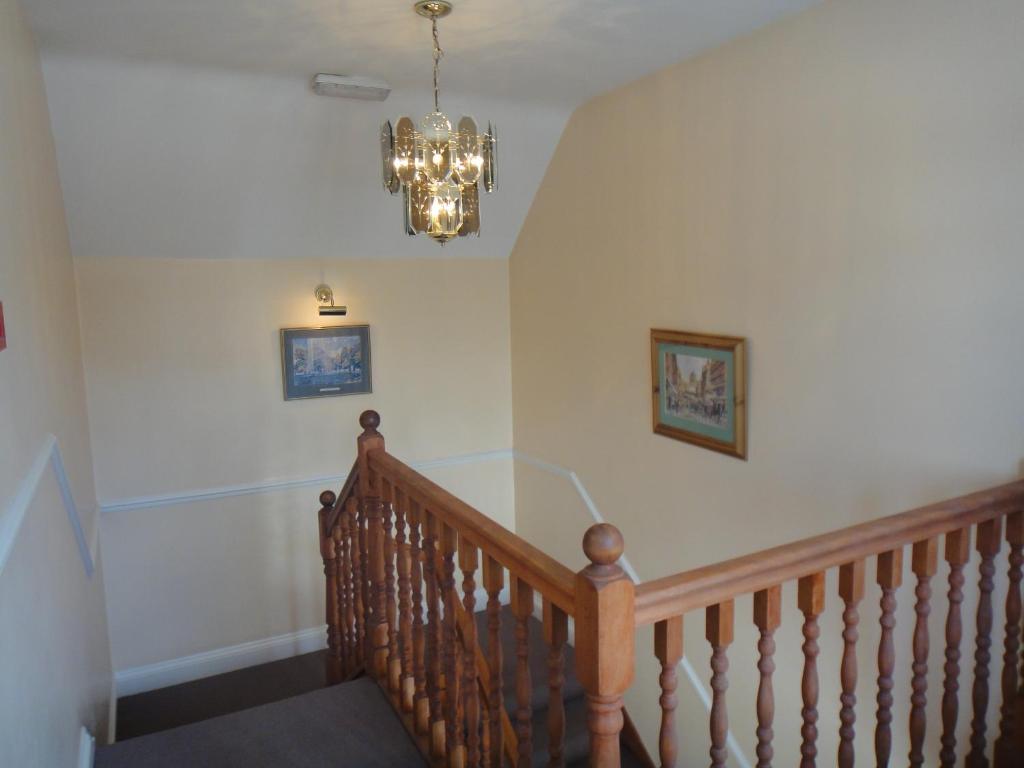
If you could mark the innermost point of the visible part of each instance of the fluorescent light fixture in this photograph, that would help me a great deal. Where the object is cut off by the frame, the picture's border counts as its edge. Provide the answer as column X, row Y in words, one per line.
column 351, row 87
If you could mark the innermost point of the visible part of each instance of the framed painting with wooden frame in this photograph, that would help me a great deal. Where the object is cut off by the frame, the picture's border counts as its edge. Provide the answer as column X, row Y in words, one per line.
column 700, row 389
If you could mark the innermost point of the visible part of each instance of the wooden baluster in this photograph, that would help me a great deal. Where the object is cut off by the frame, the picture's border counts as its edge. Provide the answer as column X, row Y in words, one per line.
column 433, row 639
column 1006, row 743
column 719, row 632
column 556, row 634
column 668, row 647
column 767, row 618
column 403, row 554
column 811, row 601
column 421, row 701
column 494, row 582
column 390, row 555
column 373, row 512
column 957, row 549
column 924, row 562
column 988, row 547
column 453, row 722
column 605, row 644
column 522, row 608
column 360, row 588
column 469, row 561
column 851, row 590
column 328, row 552
column 890, row 576
column 340, row 591
column 351, row 584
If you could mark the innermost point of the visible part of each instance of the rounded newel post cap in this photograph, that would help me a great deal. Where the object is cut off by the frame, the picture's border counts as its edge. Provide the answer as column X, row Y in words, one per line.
column 369, row 421
column 603, row 544
column 327, row 499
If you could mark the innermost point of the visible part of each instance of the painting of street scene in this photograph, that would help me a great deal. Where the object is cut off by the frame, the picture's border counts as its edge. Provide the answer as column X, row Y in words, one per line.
column 695, row 389
column 320, row 362
column 327, row 361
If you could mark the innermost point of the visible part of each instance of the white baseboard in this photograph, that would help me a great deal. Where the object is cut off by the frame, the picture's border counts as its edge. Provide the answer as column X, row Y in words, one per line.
column 164, row 673
column 86, row 749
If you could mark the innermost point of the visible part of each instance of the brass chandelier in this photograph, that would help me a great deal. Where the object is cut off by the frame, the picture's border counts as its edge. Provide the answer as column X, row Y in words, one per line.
column 439, row 169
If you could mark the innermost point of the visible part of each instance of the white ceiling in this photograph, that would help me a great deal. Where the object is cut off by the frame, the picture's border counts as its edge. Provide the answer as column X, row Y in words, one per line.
column 554, row 51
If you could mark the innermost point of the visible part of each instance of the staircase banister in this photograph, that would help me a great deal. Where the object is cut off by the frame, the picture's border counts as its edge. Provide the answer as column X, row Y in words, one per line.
column 538, row 569
column 347, row 490
column 709, row 585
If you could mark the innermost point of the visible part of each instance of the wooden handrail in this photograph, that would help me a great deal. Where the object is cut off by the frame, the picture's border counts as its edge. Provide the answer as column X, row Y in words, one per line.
column 709, row 585
column 542, row 572
column 349, row 488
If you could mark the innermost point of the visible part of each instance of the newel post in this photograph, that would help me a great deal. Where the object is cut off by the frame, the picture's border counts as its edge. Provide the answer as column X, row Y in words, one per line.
column 605, row 642
column 329, row 553
column 373, row 512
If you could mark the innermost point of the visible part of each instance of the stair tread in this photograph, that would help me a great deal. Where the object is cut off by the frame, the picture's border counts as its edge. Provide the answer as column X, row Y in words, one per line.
column 303, row 730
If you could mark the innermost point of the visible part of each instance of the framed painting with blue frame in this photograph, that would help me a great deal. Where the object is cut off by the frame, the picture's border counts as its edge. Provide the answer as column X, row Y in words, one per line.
column 700, row 389
column 325, row 362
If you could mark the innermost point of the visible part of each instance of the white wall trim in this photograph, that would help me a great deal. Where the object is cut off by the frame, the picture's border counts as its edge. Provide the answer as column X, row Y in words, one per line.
column 164, row 673
column 14, row 515
column 86, row 748
column 698, row 685
column 264, row 486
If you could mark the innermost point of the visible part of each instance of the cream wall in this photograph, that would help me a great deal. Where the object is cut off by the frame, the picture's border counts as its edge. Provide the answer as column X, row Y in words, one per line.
column 844, row 189
column 183, row 370
column 54, row 656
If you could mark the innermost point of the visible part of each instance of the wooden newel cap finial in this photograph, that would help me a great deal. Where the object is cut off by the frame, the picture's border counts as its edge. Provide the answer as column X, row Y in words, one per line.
column 369, row 421
column 327, row 499
column 603, row 544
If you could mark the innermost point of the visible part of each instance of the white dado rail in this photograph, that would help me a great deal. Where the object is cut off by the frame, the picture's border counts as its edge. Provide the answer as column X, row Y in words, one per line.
column 14, row 516
column 179, row 670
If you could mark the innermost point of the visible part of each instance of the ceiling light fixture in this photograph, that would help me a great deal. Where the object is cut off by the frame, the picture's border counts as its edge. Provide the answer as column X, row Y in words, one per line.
column 439, row 169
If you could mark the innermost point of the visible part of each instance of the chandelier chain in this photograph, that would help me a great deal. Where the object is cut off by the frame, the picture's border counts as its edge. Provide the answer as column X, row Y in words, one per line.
column 438, row 53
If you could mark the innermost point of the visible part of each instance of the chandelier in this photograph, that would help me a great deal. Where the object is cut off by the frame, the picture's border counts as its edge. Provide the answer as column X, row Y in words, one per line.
column 439, row 169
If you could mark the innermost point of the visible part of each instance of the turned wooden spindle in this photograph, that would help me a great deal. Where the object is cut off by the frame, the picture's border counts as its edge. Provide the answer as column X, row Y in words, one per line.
column 328, row 552
column 556, row 634
column 851, row 590
column 342, row 589
column 957, row 548
column 494, row 582
column 767, row 618
column 889, row 577
column 668, row 647
column 469, row 561
column 522, row 609
column 390, row 555
column 451, row 649
column 373, row 512
column 433, row 631
column 1006, row 743
column 421, row 701
column 605, row 645
column 811, row 601
column 403, row 554
column 988, row 544
column 360, row 588
column 350, row 585
column 719, row 630
column 924, row 562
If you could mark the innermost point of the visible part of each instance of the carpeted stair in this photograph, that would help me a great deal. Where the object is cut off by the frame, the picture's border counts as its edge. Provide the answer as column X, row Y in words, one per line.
column 351, row 724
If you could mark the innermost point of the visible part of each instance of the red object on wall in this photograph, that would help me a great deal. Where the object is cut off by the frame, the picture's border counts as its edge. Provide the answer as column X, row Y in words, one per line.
column 3, row 333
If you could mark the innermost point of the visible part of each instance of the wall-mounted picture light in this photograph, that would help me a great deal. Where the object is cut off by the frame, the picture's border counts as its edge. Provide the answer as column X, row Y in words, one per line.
column 325, row 300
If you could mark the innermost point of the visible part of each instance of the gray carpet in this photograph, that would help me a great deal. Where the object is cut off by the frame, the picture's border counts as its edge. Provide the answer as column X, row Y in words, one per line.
column 346, row 725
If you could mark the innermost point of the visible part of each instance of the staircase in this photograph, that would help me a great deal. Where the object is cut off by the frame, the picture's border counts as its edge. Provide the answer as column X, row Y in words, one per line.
column 303, row 731
column 420, row 676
